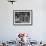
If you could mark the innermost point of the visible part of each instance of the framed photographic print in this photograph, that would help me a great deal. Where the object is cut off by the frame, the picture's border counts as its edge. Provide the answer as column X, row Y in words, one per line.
column 22, row 17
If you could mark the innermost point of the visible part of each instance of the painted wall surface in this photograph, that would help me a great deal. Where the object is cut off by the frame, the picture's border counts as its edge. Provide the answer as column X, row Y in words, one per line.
column 38, row 29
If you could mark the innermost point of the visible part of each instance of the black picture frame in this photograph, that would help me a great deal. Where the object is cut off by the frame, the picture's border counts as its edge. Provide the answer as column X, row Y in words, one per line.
column 22, row 17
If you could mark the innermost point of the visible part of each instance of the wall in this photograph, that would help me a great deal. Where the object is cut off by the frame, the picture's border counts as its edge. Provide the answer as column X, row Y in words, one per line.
column 37, row 31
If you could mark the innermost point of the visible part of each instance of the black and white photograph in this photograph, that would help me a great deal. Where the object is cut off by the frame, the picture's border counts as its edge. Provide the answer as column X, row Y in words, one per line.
column 22, row 17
